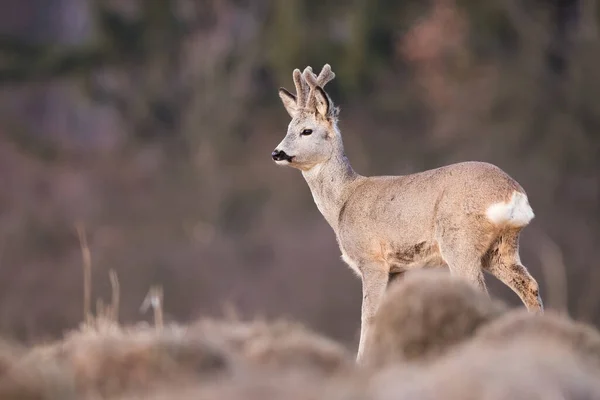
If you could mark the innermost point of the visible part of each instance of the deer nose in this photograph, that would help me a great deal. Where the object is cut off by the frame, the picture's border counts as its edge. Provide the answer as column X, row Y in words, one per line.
column 278, row 155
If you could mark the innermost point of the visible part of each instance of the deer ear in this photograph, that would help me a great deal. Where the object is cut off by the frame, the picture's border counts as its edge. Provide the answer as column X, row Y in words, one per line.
column 322, row 102
column 289, row 101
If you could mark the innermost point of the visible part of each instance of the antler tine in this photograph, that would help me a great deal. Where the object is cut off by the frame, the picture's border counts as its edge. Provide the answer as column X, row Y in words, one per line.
column 326, row 75
column 301, row 88
column 310, row 78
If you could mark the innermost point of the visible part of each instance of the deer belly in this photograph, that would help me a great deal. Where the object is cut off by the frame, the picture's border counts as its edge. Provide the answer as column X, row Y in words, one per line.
column 418, row 255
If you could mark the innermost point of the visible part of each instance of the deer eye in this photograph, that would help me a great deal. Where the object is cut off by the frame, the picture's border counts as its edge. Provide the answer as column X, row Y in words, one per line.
column 306, row 132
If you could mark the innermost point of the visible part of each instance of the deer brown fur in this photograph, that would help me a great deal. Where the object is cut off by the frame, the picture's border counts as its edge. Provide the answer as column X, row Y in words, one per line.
column 467, row 216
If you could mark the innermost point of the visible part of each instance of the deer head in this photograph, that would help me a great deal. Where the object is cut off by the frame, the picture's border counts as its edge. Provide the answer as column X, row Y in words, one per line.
column 312, row 136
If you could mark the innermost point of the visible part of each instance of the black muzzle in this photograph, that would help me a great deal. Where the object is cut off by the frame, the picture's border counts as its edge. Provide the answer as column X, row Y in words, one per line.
column 280, row 155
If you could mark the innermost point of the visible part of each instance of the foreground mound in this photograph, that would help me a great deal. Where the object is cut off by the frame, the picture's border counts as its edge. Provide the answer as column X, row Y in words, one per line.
column 519, row 370
column 435, row 336
column 112, row 360
column 278, row 344
column 209, row 357
column 425, row 314
column 551, row 329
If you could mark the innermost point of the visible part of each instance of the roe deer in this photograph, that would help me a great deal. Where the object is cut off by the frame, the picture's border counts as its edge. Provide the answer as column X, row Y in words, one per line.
column 467, row 216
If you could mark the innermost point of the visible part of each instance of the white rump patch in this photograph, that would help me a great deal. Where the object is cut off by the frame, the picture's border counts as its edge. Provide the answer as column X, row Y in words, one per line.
column 517, row 212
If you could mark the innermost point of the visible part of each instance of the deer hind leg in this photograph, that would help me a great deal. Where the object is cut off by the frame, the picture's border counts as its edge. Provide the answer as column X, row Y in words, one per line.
column 462, row 253
column 502, row 260
column 466, row 265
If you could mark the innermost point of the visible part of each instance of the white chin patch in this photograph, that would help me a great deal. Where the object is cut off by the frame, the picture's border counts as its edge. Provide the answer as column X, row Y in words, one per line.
column 282, row 162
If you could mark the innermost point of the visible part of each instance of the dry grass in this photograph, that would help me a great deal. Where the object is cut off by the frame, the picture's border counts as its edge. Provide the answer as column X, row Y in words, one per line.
column 553, row 329
column 23, row 379
column 522, row 369
column 211, row 359
column 424, row 315
column 111, row 360
column 435, row 336
column 265, row 386
column 279, row 344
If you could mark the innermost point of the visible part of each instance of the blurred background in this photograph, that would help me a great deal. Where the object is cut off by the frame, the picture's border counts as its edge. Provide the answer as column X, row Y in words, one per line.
column 149, row 125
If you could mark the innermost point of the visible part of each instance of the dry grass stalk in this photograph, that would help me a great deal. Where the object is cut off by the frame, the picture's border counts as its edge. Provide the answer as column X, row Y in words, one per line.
column 115, row 295
column 154, row 299
column 100, row 309
column 105, row 315
column 87, row 273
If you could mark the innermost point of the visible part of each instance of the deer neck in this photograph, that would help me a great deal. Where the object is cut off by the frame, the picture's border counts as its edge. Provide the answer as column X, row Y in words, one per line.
column 331, row 184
